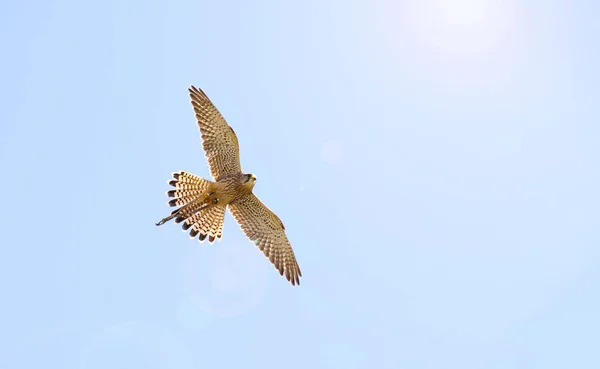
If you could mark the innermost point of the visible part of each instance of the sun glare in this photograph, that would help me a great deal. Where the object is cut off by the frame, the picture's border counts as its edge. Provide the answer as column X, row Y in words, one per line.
column 461, row 25
column 460, row 46
column 463, row 13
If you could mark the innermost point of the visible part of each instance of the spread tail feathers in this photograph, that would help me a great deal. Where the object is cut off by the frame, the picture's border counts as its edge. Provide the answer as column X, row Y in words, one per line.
column 188, row 187
column 203, row 219
column 206, row 223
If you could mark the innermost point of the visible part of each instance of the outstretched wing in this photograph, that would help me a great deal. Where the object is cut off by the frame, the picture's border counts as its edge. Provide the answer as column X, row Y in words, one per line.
column 218, row 139
column 266, row 230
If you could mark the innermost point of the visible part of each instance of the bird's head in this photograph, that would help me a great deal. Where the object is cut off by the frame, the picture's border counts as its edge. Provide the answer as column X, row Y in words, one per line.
column 249, row 180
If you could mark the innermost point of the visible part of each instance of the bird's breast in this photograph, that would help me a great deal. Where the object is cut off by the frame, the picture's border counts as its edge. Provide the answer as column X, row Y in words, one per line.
column 231, row 189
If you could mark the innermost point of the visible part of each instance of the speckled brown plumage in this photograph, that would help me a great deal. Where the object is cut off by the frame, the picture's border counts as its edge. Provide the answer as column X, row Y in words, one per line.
column 267, row 232
column 202, row 203
column 219, row 141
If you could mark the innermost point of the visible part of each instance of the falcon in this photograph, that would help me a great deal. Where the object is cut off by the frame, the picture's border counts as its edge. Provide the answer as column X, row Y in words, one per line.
column 202, row 203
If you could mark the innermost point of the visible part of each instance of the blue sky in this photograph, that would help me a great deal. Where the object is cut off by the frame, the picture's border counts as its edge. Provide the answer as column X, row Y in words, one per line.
column 435, row 165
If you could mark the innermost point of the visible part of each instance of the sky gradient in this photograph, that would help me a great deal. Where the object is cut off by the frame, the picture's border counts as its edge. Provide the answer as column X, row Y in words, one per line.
column 435, row 165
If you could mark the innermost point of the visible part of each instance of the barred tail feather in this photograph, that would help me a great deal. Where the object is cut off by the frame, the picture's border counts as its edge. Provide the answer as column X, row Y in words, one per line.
column 188, row 194
column 207, row 223
column 203, row 220
column 188, row 187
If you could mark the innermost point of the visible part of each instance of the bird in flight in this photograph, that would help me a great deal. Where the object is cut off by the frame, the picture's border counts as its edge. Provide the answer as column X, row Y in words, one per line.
column 201, row 203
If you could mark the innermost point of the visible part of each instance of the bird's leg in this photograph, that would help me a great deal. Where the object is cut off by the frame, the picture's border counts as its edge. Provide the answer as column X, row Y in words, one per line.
column 205, row 201
column 176, row 212
column 164, row 220
column 209, row 199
